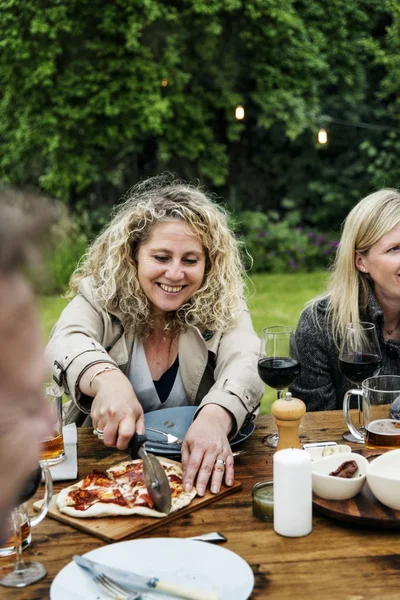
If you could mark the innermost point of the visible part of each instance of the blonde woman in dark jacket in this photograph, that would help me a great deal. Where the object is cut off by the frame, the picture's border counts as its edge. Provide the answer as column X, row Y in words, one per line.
column 364, row 286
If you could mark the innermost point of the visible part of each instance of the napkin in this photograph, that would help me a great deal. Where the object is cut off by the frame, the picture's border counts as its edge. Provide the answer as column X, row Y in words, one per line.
column 68, row 468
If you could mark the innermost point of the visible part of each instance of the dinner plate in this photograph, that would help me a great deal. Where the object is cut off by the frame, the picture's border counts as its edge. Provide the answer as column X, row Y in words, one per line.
column 187, row 562
column 177, row 421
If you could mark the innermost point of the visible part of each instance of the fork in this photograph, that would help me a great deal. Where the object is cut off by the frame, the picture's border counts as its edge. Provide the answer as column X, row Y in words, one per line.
column 171, row 439
column 114, row 590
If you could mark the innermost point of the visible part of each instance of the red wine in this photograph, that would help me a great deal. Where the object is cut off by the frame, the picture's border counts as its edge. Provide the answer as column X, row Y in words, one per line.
column 357, row 366
column 278, row 372
column 31, row 486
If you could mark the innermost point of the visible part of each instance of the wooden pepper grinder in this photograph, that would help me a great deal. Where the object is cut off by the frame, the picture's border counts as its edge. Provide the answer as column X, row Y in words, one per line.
column 288, row 412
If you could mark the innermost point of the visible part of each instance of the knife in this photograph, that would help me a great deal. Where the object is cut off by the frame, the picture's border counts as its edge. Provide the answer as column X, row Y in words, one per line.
column 155, row 478
column 135, row 582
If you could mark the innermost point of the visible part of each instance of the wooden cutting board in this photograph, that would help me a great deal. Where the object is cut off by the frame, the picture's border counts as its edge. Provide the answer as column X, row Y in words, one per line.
column 363, row 509
column 112, row 529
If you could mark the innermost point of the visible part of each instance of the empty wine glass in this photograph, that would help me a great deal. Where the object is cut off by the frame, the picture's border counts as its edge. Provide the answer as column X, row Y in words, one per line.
column 21, row 573
column 278, row 362
column 359, row 358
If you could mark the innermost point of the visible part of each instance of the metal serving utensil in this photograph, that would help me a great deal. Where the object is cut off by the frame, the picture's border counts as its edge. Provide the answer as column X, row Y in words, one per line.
column 155, row 478
column 130, row 581
column 214, row 537
column 171, row 439
column 114, row 590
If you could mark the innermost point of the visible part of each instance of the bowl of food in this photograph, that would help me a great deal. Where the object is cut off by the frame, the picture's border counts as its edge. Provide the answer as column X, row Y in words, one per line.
column 317, row 452
column 339, row 476
column 383, row 476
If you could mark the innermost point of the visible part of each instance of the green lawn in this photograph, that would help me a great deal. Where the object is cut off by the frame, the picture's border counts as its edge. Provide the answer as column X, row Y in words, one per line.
column 274, row 300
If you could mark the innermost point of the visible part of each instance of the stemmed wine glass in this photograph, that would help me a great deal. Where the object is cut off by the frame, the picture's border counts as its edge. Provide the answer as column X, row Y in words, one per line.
column 359, row 358
column 23, row 573
column 278, row 362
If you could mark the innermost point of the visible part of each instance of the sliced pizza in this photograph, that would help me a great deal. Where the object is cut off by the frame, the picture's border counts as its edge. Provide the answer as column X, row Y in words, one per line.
column 121, row 491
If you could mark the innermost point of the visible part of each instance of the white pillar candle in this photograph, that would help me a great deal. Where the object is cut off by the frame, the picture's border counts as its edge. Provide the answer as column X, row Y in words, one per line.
column 292, row 492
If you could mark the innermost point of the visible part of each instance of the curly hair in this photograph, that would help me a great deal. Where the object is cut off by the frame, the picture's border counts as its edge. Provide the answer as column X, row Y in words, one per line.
column 111, row 259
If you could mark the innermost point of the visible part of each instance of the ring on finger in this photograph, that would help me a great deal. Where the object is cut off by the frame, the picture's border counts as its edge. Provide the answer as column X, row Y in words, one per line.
column 99, row 433
column 220, row 462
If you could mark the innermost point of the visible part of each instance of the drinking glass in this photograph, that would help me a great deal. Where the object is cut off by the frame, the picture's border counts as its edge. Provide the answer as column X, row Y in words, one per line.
column 359, row 358
column 278, row 362
column 381, row 408
column 52, row 450
column 21, row 573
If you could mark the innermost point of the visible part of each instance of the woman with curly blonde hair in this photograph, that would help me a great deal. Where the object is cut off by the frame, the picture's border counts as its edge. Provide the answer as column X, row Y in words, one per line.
column 364, row 286
column 158, row 320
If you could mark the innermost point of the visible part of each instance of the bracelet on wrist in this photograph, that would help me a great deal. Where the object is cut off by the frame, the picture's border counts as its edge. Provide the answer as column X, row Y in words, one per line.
column 102, row 370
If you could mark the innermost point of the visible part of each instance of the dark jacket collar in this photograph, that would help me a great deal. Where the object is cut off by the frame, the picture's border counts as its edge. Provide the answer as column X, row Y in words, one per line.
column 373, row 312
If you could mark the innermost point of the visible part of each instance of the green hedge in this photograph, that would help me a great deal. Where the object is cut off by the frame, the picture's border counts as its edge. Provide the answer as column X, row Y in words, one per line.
column 281, row 245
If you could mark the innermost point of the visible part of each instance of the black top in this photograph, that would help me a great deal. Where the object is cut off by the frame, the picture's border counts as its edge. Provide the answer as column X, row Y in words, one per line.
column 320, row 384
column 165, row 383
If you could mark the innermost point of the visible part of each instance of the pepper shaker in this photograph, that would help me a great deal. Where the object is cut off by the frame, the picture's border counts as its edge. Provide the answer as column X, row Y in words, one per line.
column 288, row 412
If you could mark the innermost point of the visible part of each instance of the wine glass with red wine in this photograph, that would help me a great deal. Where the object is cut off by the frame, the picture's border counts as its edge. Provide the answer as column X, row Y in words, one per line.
column 278, row 362
column 359, row 358
column 21, row 573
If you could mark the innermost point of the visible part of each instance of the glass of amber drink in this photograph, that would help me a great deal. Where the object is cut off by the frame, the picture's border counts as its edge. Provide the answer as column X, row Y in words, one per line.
column 380, row 403
column 52, row 449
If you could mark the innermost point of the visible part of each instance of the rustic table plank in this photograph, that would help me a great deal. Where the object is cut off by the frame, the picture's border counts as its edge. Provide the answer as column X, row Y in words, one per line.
column 337, row 560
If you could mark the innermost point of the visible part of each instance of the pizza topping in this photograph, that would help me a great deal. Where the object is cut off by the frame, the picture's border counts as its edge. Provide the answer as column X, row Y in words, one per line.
column 82, row 499
column 145, row 500
column 174, row 478
column 97, row 479
column 121, row 490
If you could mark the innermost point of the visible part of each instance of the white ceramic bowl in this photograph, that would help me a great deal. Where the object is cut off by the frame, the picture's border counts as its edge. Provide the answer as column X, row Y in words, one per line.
column 383, row 476
column 338, row 488
column 320, row 451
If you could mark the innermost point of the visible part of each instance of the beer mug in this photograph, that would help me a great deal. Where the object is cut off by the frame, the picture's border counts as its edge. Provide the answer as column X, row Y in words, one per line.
column 27, row 522
column 52, row 449
column 380, row 407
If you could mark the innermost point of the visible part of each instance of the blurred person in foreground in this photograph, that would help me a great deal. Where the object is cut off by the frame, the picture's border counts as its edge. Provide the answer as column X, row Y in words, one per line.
column 159, row 320
column 25, row 418
column 364, row 286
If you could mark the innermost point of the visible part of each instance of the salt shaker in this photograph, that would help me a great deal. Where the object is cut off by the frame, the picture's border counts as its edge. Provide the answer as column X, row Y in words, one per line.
column 292, row 492
column 288, row 412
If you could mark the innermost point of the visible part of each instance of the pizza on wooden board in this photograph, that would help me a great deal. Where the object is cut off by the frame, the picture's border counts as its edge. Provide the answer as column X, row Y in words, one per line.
column 121, row 490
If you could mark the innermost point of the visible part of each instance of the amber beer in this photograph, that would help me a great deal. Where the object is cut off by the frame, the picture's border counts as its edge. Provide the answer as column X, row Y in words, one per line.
column 52, row 449
column 8, row 547
column 383, row 433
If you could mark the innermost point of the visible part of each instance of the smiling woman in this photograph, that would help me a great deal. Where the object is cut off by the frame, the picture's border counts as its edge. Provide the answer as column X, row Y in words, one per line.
column 364, row 286
column 159, row 320
column 171, row 266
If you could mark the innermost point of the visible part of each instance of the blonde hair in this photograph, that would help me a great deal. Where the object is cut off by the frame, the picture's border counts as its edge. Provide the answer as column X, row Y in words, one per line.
column 111, row 259
column 348, row 288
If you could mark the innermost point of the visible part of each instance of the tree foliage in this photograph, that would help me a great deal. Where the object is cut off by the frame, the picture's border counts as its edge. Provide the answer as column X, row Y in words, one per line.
column 96, row 95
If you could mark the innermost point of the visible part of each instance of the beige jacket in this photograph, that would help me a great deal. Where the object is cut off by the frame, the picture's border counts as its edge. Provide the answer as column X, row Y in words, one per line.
column 215, row 368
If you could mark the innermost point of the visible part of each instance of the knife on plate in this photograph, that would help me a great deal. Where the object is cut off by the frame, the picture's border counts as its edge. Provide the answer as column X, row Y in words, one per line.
column 136, row 582
column 155, row 478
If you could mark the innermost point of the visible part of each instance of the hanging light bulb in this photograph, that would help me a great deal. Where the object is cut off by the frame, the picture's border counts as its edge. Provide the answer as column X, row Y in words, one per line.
column 164, row 82
column 239, row 112
column 322, row 136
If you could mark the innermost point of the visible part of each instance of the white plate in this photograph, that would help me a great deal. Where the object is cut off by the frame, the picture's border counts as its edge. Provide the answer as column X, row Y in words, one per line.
column 182, row 561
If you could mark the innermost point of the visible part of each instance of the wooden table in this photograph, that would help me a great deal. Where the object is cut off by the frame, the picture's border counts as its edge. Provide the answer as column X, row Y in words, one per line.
column 336, row 561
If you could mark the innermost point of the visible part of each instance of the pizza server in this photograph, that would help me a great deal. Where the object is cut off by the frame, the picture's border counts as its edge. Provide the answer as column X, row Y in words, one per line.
column 155, row 478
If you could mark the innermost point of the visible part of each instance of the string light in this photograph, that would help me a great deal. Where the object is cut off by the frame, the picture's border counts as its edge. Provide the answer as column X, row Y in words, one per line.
column 164, row 82
column 322, row 136
column 239, row 112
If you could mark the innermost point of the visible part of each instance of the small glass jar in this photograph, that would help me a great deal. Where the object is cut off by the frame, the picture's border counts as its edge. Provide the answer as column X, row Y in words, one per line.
column 263, row 500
